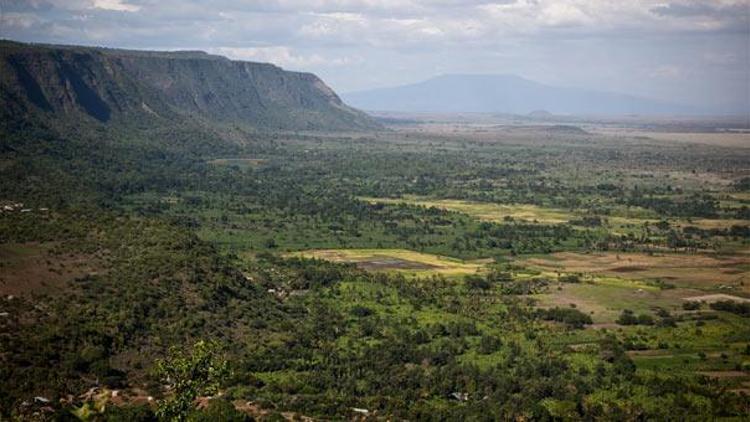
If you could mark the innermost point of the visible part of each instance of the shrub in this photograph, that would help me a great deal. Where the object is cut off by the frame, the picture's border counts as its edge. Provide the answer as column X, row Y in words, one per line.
column 477, row 282
column 627, row 318
column 219, row 410
column 489, row 344
column 361, row 311
column 570, row 278
column 691, row 305
column 739, row 308
column 190, row 375
column 570, row 316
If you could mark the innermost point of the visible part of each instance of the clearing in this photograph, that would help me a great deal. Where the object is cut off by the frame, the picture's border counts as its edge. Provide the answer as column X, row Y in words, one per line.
column 697, row 271
column 398, row 260
column 716, row 298
column 605, row 298
column 484, row 210
column 29, row 268
column 239, row 162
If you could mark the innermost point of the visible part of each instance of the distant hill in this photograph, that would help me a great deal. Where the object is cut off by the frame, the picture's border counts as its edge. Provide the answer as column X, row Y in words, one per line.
column 111, row 86
column 503, row 94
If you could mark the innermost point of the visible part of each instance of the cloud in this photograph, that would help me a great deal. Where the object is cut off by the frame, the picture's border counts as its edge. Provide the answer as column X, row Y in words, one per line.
column 282, row 55
column 562, row 14
column 695, row 8
column 667, row 71
column 19, row 20
column 356, row 44
column 116, row 5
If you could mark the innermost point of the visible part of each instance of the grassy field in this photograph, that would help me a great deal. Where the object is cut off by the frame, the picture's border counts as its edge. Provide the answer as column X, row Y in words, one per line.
column 485, row 211
column 238, row 162
column 696, row 271
column 604, row 299
column 622, row 219
column 398, row 260
column 723, row 139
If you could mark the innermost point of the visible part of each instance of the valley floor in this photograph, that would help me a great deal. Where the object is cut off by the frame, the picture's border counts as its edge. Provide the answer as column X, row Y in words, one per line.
column 432, row 271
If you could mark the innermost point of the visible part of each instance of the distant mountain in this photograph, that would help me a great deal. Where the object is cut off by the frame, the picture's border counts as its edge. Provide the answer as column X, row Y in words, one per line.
column 111, row 86
column 503, row 94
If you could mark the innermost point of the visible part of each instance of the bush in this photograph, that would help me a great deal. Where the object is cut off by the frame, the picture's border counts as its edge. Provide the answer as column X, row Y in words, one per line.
column 570, row 316
column 219, row 410
column 190, row 374
column 477, row 282
column 361, row 311
column 691, row 305
column 644, row 319
column 627, row 318
column 489, row 344
column 570, row 278
column 739, row 308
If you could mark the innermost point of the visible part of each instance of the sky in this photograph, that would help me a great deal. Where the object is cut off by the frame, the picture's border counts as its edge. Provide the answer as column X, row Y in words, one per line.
column 684, row 51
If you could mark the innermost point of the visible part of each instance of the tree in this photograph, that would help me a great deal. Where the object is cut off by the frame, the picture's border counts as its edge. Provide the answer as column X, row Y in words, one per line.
column 189, row 375
column 477, row 282
column 627, row 318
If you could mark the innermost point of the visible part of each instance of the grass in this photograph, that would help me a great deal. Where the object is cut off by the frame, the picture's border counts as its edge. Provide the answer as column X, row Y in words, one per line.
column 622, row 220
column 695, row 271
column 238, row 162
column 398, row 260
column 485, row 211
column 605, row 300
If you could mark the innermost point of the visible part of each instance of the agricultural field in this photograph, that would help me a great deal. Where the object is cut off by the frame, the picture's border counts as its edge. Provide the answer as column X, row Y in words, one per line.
column 696, row 271
column 399, row 260
column 485, row 211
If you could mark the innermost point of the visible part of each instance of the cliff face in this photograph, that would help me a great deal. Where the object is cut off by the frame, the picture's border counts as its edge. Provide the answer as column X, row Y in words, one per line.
column 111, row 85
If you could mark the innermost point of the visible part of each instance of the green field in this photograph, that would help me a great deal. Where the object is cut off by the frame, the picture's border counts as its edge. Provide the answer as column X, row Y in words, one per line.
column 485, row 211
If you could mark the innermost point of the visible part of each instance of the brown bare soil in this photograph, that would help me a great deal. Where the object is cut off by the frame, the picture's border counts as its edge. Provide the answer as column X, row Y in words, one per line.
column 716, row 298
column 684, row 270
column 627, row 269
column 33, row 268
column 724, row 374
column 393, row 263
column 654, row 353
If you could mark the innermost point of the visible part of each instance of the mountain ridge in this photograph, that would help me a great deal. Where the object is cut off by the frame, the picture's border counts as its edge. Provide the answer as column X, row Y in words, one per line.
column 504, row 93
column 108, row 85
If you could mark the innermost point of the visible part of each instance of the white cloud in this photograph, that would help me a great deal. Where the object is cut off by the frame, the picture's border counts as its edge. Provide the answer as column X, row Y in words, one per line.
column 116, row 5
column 562, row 14
column 667, row 72
column 18, row 21
column 623, row 45
column 282, row 56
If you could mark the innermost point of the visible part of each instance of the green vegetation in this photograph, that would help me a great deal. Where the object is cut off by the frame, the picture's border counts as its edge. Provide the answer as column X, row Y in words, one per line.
column 406, row 274
column 199, row 373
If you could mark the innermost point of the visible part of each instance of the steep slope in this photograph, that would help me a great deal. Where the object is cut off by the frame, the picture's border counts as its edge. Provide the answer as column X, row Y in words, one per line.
column 502, row 94
column 112, row 86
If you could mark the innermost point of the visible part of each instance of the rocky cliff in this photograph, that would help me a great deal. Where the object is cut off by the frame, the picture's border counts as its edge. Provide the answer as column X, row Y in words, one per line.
column 110, row 86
